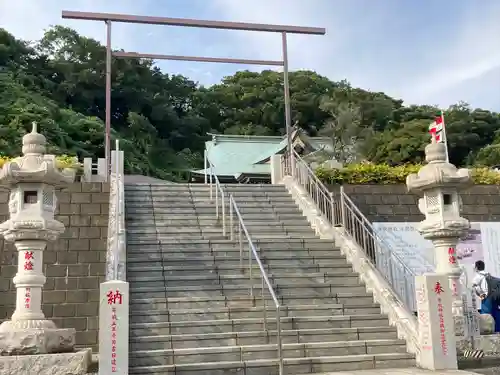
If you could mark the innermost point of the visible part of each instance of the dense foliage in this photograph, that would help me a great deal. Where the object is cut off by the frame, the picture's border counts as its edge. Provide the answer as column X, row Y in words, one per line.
column 62, row 162
column 368, row 173
column 162, row 120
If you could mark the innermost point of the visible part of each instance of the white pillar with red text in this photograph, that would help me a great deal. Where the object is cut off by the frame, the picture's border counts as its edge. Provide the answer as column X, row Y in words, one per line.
column 29, row 280
column 113, row 327
column 447, row 264
column 435, row 321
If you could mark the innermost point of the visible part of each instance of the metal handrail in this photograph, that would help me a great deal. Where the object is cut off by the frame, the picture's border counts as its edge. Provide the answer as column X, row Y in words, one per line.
column 252, row 251
column 218, row 191
column 342, row 212
column 252, row 254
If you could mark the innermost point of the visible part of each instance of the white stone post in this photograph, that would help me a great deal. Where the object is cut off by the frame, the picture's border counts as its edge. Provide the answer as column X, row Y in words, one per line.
column 32, row 180
column 275, row 164
column 438, row 184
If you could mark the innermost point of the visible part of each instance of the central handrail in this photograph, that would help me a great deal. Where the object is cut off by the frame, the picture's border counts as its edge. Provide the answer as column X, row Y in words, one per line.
column 253, row 254
column 218, row 191
column 234, row 211
column 341, row 211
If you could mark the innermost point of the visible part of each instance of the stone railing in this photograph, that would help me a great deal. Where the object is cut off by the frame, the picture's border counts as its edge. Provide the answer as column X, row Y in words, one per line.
column 116, row 249
column 94, row 172
column 391, row 305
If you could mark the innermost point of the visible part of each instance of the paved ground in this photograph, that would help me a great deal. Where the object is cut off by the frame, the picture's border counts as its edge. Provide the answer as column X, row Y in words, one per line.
column 409, row 371
column 415, row 371
column 488, row 371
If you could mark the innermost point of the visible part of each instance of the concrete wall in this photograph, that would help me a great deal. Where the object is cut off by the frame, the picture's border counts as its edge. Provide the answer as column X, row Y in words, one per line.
column 74, row 265
column 392, row 203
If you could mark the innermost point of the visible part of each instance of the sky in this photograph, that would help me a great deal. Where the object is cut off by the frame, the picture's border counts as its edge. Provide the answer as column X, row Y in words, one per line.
column 424, row 52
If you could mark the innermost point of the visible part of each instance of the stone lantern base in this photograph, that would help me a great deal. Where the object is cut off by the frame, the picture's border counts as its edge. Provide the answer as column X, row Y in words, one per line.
column 76, row 363
column 22, row 341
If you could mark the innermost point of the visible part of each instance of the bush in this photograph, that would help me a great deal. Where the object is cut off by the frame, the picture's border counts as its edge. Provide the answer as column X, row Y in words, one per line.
column 63, row 161
column 357, row 174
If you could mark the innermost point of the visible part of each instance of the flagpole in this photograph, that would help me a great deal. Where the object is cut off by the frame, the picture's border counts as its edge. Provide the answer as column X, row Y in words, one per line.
column 445, row 138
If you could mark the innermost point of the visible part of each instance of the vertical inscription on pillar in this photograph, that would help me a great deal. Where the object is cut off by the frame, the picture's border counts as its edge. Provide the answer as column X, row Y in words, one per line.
column 27, row 298
column 438, row 289
column 28, row 260
column 113, row 328
column 436, row 333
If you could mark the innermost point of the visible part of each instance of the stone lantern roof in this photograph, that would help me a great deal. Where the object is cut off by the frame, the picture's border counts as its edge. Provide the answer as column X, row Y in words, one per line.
column 35, row 166
column 438, row 172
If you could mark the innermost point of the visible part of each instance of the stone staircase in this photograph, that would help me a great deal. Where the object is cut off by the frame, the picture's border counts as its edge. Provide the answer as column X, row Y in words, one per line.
column 191, row 308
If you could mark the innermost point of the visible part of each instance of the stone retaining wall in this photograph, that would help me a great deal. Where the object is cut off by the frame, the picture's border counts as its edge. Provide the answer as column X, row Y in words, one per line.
column 392, row 203
column 74, row 265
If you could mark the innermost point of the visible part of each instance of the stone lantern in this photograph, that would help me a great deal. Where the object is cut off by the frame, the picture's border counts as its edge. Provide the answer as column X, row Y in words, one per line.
column 439, row 183
column 32, row 180
column 439, row 299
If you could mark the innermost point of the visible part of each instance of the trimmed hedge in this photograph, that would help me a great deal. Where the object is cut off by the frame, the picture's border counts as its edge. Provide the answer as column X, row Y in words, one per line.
column 358, row 174
column 63, row 161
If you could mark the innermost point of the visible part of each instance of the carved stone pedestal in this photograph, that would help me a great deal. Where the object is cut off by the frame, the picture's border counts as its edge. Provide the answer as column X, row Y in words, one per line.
column 18, row 341
column 76, row 363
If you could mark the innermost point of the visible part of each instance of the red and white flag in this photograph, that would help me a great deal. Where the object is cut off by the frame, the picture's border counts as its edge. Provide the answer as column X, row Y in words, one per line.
column 436, row 129
column 438, row 132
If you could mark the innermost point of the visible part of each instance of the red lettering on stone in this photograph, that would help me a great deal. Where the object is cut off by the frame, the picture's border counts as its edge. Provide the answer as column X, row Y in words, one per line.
column 28, row 266
column 28, row 255
column 114, row 297
column 438, row 289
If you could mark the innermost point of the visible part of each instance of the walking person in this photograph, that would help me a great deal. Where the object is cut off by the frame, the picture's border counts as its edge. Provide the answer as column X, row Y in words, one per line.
column 487, row 288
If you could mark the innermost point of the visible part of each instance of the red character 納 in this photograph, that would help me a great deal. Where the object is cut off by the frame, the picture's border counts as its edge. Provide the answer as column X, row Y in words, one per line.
column 114, row 297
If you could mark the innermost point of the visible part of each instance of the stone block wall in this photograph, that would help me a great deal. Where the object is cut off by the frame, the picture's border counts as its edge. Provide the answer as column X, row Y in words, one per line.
column 74, row 265
column 393, row 203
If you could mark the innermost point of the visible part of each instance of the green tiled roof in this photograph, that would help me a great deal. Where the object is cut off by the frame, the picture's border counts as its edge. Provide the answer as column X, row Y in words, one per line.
column 233, row 155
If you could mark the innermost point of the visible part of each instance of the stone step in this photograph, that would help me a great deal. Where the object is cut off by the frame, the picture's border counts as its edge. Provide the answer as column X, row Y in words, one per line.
column 155, row 289
column 267, row 351
column 172, row 237
column 159, row 312
column 252, row 187
column 235, row 246
column 190, row 202
column 255, row 324
column 153, row 220
column 295, row 263
column 158, row 227
column 347, row 279
column 212, row 220
column 292, row 260
column 214, row 236
column 200, row 251
column 294, row 336
column 228, row 242
column 229, row 269
column 174, row 210
column 264, row 215
column 205, row 196
column 192, row 302
column 291, row 365
column 204, row 200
